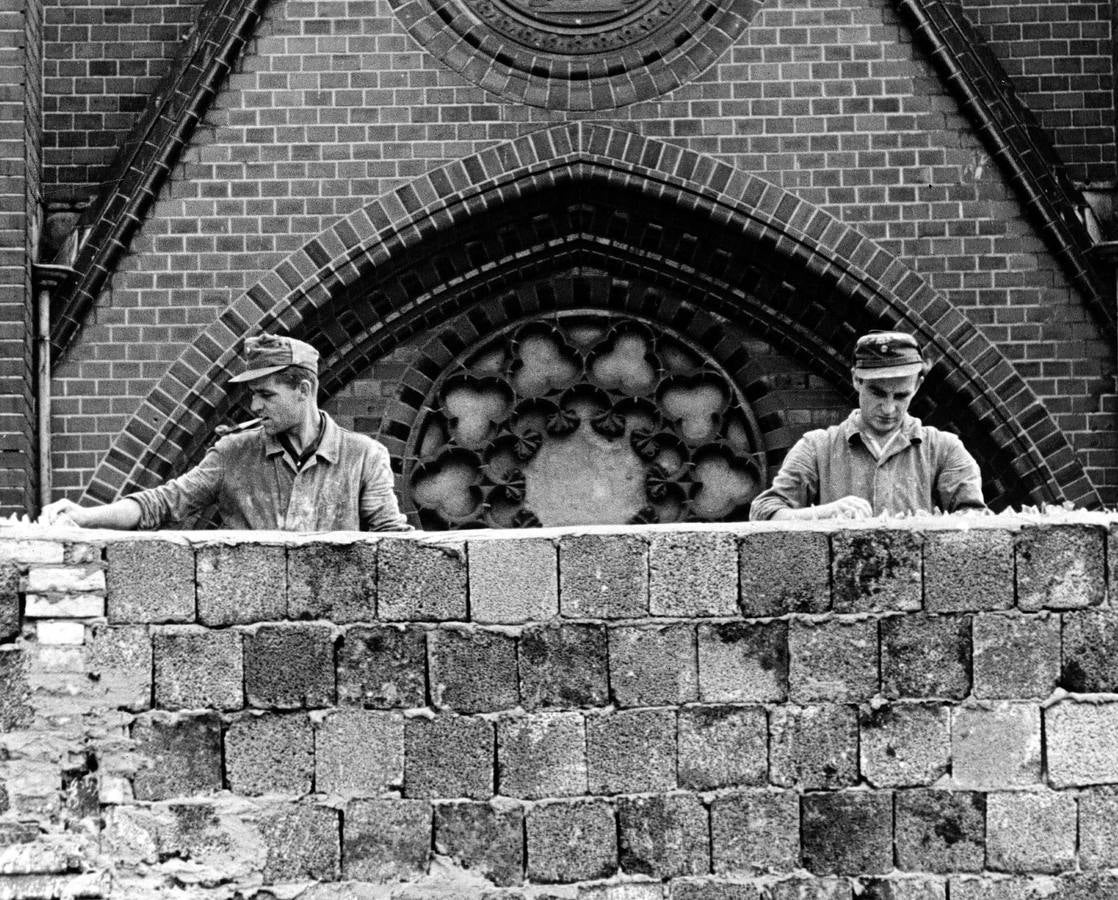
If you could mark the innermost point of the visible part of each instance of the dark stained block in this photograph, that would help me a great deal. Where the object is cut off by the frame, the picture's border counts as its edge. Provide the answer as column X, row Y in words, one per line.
column 652, row 665
column 571, row 841
column 385, row 841
column 848, row 833
column 941, row 831
column 482, row 838
column 631, row 751
column 664, row 836
column 926, row 656
column 382, row 667
column 333, row 581
column 876, row 570
column 782, row 572
column 179, row 755
column 743, row 661
column 448, row 756
column 473, row 671
column 1090, row 652
column 563, row 666
column 290, row 666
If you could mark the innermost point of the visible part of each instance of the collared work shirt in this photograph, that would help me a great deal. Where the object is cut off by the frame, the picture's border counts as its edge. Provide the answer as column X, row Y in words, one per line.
column 923, row 469
column 346, row 486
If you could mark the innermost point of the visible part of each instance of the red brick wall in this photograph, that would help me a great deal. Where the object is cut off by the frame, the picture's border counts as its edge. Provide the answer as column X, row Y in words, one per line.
column 825, row 99
column 1059, row 55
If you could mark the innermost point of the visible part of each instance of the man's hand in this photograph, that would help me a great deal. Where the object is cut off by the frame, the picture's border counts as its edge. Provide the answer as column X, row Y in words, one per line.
column 63, row 512
column 849, row 507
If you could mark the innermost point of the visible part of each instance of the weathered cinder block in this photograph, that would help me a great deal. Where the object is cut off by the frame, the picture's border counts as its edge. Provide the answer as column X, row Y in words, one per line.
column 1090, row 661
column 996, row 746
column 810, row 889
column 813, row 746
column 692, row 574
column 268, row 753
column 1016, row 656
column 743, row 661
column 9, row 602
column 722, row 746
column 905, row 744
column 483, row 838
column 571, row 841
column 448, row 756
column 663, row 836
column 563, row 666
column 603, row 576
column 848, row 833
column 631, row 751
column 968, row 570
column 289, row 666
column 926, row 656
column 876, row 570
column 784, row 572
column 1059, row 567
column 832, row 661
column 711, row 889
column 241, row 583
column 179, row 755
column 119, row 659
column 628, row 890
column 542, row 756
column 150, row 581
column 652, row 665
column 332, row 580
column 1080, row 743
column 473, row 671
column 196, row 668
column 1030, row 831
column 1098, row 828
column 940, row 831
column 421, row 581
column 513, row 580
column 1001, row 887
column 385, row 841
column 359, row 753
column 754, row 832
column 302, row 843
column 903, row 889
column 15, row 693
column 383, row 667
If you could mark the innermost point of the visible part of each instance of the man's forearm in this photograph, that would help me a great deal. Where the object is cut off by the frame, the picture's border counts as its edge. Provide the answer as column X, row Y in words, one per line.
column 123, row 514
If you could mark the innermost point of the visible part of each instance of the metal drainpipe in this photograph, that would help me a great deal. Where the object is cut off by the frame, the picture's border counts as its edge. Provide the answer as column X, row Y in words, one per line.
column 45, row 278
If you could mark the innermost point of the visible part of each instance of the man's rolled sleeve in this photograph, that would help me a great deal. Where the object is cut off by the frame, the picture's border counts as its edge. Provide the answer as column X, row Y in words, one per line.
column 796, row 484
column 181, row 497
column 959, row 484
column 379, row 510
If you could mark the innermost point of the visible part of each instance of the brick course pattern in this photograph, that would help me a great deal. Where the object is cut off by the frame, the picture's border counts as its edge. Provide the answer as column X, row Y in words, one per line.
column 471, row 751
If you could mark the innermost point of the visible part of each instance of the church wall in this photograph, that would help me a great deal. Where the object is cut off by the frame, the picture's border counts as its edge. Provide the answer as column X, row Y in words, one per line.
column 610, row 713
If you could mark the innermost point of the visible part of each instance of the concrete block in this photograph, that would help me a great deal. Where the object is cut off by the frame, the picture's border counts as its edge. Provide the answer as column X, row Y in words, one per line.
column 905, row 744
column 178, row 755
column 784, row 572
column 483, row 838
column 996, row 746
column 1080, row 743
column 692, row 574
column 832, row 661
column 65, row 579
column 359, row 753
column 32, row 552
column 603, row 576
column 62, row 632
column 631, row 751
column 1098, row 828
column 150, row 581
column 722, row 746
column 15, row 693
column 926, row 656
column 333, row 581
column 513, row 580
column 876, row 570
column 448, row 756
column 269, row 753
column 542, row 755
column 743, row 662
column 289, row 666
column 1060, row 567
column 652, row 665
column 197, row 668
column 1002, row 887
column 712, row 889
column 383, row 667
column 1030, row 831
column 63, row 606
column 386, row 841
column 9, row 602
column 968, row 570
column 664, row 836
column 630, row 890
column 848, row 833
column 473, row 671
column 419, row 581
column 1015, row 656
column 813, row 746
column 571, row 841
column 241, row 583
column 941, row 831
column 1090, row 651
column 563, row 666
column 119, row 660
column 755, row 832
column 302, row 842
column 903, row 889
column 810, row 889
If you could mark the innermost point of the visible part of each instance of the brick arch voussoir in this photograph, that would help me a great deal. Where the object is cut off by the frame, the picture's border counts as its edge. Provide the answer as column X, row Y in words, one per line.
column 184, row 406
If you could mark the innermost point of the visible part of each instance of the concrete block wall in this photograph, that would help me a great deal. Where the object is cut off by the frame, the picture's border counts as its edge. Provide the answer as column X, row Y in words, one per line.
column 916, row 709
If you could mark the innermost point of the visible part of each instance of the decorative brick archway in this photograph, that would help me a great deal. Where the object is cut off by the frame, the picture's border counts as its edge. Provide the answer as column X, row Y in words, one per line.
column 749, row 250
